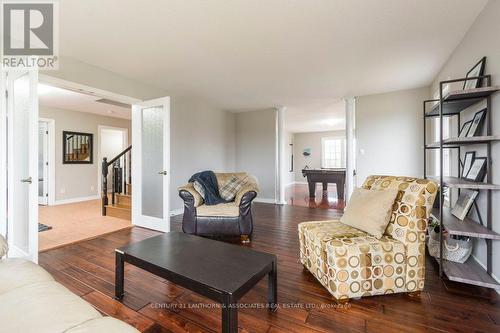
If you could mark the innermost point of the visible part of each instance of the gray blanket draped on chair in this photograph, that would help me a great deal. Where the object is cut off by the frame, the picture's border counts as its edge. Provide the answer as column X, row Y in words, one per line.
column 208, row 181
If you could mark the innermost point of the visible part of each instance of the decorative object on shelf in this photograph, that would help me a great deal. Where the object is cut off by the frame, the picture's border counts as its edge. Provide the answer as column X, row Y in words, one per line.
column 477, row 170
column 464, row 203
column 465, row 129
column 78, row 148
column 477, row 70
column 455, row 104
column 307, row 152
column 477, row 122
column 469, row 159
column 456, row 248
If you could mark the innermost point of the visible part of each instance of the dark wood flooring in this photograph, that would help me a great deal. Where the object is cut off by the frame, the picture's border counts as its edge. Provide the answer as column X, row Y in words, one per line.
column 154, row 305
column 298, row 195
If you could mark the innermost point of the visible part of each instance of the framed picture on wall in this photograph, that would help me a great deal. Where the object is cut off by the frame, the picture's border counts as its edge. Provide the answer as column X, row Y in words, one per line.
column 78, row 148
column 469, row 158
column 477, row 122
column 465, row 129
column 464, row 203
column 477, row 170
column 477, row 70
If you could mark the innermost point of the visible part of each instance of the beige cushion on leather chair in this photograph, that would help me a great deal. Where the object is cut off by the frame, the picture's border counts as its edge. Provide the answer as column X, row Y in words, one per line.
column 369, row 210
column 224, row 209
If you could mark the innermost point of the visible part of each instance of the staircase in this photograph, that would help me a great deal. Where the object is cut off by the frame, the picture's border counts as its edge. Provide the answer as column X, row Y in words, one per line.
column 118, row 203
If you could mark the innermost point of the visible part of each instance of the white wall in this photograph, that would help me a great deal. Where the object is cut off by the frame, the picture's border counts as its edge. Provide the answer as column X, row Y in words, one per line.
column 77, row 180
column 482, row 40
column 202, row 138
column 389, row 133
column 112, row 142
column 256, row 148
column 310, row 140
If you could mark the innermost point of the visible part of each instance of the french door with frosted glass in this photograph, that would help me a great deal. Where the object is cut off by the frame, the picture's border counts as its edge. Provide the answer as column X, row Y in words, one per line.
column 43, row 170
column 151, row 164
column 20, row 106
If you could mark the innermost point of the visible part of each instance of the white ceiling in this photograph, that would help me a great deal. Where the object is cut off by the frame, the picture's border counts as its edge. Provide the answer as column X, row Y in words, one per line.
column 320, row 116
column 74, row 101
column 246, row 55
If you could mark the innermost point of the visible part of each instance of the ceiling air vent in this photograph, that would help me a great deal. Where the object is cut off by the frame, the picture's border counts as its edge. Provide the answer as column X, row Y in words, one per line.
column 115, row 103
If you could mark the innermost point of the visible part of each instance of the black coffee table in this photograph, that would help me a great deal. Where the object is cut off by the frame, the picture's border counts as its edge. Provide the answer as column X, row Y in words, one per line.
column 220, row 271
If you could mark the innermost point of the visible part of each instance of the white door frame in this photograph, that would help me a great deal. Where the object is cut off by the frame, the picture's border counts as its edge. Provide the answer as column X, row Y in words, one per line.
column 99, row 155
column 350, row 109
column 51, row 158
column 33, row 171
column 88, row 90
column 3, row 155
column 350, row 131
column 137, row 217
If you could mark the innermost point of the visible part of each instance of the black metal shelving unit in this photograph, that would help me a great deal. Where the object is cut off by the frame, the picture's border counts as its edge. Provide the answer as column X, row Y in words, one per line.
column 452, row 104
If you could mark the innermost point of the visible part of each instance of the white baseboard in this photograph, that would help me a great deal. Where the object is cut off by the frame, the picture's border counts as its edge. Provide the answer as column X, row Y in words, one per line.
column 176, row 212
column 265, row 200
column 74, row 200
column 300, row 183
column 484, row 266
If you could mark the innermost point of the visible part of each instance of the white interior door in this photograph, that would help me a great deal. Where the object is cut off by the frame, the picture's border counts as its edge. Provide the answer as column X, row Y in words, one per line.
column 43, row 162
column 22, row 164
column 3, row 153
column 151, row 164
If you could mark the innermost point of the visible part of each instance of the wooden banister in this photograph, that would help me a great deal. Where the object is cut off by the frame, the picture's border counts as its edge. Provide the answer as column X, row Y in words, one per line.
column 119, row 172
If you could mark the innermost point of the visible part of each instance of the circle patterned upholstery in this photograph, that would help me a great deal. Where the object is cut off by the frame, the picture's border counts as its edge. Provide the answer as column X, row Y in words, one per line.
column 351, row 263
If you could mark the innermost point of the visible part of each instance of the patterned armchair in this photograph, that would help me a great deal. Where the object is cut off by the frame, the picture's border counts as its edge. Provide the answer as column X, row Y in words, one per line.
column 350, row 263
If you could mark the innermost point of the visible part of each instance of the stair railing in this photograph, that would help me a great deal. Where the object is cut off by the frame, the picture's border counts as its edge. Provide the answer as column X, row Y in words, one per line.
column 121, row 167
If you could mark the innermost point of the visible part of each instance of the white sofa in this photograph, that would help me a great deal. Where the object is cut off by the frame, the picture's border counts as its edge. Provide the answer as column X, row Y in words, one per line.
column 32, row 301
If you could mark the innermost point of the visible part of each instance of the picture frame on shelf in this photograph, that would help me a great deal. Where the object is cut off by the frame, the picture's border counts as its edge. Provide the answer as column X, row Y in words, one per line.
column 477, row 123
column 477, row 70
column 469, row 158
column 464, row 204
column 465, row 129
column 477, row 170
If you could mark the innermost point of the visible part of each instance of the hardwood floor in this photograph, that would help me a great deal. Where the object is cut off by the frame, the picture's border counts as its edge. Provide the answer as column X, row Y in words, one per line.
column 298, row 195
column 153, row 305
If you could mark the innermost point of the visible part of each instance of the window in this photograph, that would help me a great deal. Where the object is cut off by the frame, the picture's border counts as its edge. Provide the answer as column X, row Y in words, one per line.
column 333, row 150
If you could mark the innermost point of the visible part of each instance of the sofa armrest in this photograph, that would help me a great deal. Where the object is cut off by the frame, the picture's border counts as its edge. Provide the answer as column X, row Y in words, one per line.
column 4, row 248
column 249, row 187
column 198, row 200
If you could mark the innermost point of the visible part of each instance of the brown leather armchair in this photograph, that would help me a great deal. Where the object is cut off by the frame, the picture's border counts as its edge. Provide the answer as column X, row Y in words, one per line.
column 226, row 219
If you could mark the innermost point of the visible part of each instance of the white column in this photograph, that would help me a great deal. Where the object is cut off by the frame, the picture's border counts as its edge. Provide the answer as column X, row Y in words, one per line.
column 350, row 109
column 280, row 155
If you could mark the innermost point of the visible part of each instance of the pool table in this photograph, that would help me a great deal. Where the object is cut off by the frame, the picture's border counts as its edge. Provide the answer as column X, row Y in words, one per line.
column 325, row 176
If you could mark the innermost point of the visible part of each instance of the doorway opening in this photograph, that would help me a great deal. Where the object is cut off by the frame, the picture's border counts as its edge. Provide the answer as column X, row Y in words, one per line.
column 76, row 130
column 315, row 156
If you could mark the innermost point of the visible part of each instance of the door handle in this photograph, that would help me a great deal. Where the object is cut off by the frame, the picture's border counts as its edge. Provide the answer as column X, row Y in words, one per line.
column 164, row 173
column 28, row 180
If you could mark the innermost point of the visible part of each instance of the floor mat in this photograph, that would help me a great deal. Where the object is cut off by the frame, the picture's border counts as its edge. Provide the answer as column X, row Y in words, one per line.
column 43, row 227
